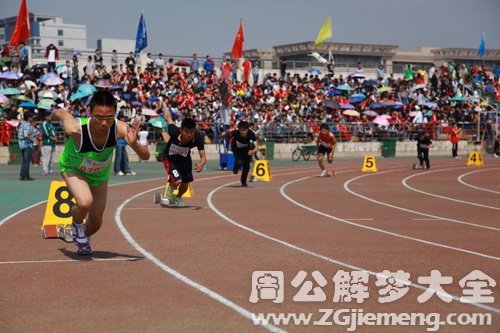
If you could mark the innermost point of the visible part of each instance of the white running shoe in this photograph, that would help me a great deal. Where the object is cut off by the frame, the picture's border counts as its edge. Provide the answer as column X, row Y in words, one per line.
column 324, row 173
column 120, row 173
column 131, row 173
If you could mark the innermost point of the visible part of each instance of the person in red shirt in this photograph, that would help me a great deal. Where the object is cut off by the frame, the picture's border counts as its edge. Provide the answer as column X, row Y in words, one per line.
column 326, row 145
column 454, row 138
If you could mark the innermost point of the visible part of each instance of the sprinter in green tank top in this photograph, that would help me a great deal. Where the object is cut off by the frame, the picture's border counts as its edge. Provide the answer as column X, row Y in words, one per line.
column 86, row 162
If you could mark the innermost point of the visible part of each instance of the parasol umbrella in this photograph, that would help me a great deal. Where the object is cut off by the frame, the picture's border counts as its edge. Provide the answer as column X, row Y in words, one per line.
column 381, row 121
column 28, row 105
column 47, row 94
column 347, row 106
column 386, row 116
column 78, row 95
column 413, row 113
column 182, row 63
column 358, row 76
column 10, row 91
column 356, row 99
column 39, row 66
column 149, row 112
column 53, row 81
column 314, row 71
column 116, row 87
column 333, row 92
column 88, row 88
column 158, row 122
column 484, row 103
column 48, row 75
column 359, row 95
column 388, row 102
column 418, row 86
column 103, row 83
column 376, row 105
column 370, row 113
column 384, row 89
column 23, row 98
column 3, row 99
column 370, row 83
column 431, row 105
column 458, row 99
column 46, row 104
column 330, row 103
column 59, row 68
column 13, row 123
column 10, row 76
column 352, row 113
column 344, row 87
column 29, row 84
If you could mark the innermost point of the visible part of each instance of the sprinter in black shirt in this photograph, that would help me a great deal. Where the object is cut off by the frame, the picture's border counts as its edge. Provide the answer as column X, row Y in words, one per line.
column 244, row 145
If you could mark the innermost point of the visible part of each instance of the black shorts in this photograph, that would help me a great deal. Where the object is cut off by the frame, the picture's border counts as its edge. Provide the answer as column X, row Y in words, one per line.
column 179, row 171
column 323, row 150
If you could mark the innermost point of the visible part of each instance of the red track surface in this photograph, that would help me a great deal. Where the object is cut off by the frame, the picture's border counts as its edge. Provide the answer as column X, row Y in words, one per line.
column 268, row 232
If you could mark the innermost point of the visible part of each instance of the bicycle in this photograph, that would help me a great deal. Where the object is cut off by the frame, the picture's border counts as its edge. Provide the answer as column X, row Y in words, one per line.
column 304, row 151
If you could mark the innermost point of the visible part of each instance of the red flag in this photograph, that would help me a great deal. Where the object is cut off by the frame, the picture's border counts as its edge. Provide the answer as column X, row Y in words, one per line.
column 22, row 30
column 238, row 43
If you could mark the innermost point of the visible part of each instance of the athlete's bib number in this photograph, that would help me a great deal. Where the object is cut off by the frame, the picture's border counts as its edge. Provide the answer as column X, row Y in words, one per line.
column 175, row 173
column 91, row 166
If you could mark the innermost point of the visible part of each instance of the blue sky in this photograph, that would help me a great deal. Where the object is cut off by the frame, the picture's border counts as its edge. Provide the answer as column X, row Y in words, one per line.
column 209, row 27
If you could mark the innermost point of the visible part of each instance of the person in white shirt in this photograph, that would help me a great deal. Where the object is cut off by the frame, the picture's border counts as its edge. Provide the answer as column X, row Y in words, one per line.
column 160, row 62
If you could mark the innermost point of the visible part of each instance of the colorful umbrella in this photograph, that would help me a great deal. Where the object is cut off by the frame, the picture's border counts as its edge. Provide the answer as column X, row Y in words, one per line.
column 3, row 99
column 359, row 95
column 88, row 88
column 431, row 105
column 103, row 83
column 356, row 99
column 376, row 105
column 158, row 122
column 29, row 84
column 358, row 76
column 46, row 104
column 345, row 87
column 314, row 71
column 53, row 81
column 28, row 105
column 370, row 113
column 384, row 89
column 458, row 99
column 347, row 106
column 418, row 86
column 24, row 98
column 10, row 76
column 149, row 112
column 78, row 95
column 352, row 113
column 182, row 63
column 10, row 91
column 381, row 121
column 47, row 94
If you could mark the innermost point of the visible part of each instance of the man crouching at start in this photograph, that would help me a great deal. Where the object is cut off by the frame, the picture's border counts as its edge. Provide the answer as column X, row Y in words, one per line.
column 177, row 156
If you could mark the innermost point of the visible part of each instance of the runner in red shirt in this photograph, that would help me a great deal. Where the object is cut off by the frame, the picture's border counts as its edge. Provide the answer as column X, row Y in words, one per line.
column 326, row 145
column 454, row 138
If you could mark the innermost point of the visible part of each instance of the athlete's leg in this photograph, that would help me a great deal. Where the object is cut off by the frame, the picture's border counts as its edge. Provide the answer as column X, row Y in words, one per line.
column 100, row 194
column 321, row 161
column 246, row 168
column 80, row 189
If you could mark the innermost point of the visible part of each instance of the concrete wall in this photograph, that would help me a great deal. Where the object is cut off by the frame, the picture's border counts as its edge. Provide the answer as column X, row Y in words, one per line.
column 284, row 150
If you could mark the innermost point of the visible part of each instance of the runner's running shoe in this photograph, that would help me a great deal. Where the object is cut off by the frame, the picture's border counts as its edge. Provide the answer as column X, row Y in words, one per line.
column 81, row 239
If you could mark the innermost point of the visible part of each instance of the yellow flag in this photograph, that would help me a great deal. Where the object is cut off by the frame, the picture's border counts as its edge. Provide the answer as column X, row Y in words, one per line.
column 325, row 32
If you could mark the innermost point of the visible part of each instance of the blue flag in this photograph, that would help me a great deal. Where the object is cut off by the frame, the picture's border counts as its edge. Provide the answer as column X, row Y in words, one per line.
column 482, row 47
column 141, row 41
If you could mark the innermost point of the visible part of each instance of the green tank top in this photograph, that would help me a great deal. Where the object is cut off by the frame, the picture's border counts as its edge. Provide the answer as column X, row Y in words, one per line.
column 86, row 158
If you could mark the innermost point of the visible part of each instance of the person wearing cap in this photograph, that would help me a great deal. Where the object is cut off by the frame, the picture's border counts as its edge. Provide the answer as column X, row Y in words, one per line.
column 48, row 143
column 244, row 146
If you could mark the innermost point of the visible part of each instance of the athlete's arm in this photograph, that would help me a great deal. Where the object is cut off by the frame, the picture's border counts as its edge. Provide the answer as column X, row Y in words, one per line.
column 334, row 144
column 129, row 134
column 70, row 125
column 203, row 160
column 166, row 115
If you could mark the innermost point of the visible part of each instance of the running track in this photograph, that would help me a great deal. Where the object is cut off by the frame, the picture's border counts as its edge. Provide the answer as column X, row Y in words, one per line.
column 189, row 270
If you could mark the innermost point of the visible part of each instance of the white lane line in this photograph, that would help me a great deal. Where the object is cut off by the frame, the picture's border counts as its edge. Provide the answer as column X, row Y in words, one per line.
column 367, row 219
column 66, row 261
column 212, row 294
column 460, row 179
column 346, row 187
column 426, row 219
column 323, row 257
column 411, row 188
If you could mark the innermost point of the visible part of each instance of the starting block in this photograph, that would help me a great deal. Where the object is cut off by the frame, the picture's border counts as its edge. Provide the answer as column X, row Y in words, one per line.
column 161, row 198
column 57, row 220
